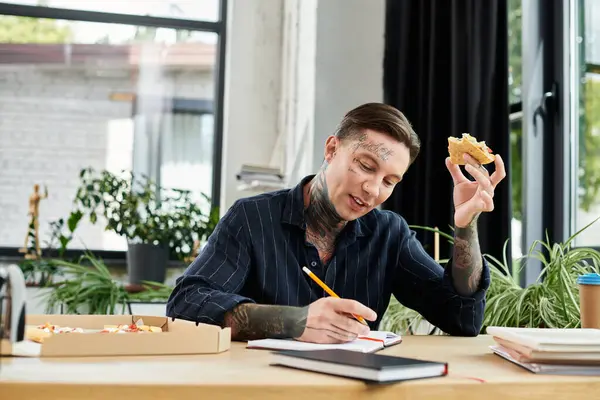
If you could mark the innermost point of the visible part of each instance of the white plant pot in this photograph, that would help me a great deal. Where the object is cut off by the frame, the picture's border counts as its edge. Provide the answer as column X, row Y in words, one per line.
column 37, row 300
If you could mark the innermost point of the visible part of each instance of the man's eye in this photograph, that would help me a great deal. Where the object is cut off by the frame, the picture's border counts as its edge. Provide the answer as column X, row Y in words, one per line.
column 388, row 183
column 366, row 167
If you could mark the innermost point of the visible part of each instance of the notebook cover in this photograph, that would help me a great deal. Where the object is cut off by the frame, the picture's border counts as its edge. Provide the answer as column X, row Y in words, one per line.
column 365, row 360
column 545, row 339
column 547, row 368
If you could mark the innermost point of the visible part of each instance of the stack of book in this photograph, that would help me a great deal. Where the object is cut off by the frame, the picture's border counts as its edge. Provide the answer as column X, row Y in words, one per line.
column 549, row 351
column 260, row 178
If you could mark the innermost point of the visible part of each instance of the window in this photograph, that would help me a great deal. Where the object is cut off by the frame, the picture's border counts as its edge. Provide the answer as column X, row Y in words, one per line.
column 515, row 78
column 561, row 123
column 586, row 162
column 205, row 10
column 78, row 91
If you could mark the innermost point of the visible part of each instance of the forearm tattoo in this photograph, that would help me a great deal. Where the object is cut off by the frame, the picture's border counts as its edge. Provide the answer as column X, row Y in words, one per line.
column 250, row 321
column 467, row 261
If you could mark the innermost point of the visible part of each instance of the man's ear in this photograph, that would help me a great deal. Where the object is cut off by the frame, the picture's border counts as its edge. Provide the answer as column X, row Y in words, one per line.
column 332, row 145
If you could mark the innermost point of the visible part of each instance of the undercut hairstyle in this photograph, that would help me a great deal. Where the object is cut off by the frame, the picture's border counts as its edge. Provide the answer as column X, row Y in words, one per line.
column 381, row 118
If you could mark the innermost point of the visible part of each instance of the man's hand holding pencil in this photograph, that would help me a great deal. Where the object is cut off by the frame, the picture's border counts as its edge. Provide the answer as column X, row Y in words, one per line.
column 335, row 320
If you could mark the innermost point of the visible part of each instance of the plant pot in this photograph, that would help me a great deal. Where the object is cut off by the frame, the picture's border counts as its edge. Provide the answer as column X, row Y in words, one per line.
column 37, row 300
column 146, row 262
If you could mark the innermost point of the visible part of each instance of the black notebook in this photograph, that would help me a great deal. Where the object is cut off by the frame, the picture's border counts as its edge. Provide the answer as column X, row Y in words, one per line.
column 365, row 366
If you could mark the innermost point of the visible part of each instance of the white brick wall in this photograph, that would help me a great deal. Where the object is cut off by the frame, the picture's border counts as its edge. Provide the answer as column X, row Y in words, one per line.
column 53, row 122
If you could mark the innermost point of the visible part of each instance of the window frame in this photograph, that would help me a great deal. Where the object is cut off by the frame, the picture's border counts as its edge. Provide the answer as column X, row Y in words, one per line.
column 545, row 122
column 554, row 29
column 218, row 27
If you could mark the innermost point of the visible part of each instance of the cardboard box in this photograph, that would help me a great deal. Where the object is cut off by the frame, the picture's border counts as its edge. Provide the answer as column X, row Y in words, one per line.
column 177, row 336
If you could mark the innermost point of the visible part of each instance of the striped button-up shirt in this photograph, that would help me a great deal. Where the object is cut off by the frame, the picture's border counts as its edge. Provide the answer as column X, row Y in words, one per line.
column 259, row 247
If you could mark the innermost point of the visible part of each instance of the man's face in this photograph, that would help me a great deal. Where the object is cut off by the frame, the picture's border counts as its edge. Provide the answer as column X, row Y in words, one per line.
column 363, row 171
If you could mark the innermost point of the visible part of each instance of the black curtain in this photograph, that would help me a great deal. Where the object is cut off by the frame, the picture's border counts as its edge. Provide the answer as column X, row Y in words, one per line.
column 446, row 69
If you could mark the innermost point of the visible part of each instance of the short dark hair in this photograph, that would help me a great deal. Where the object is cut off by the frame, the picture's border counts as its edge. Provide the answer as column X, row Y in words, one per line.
column 381, row 118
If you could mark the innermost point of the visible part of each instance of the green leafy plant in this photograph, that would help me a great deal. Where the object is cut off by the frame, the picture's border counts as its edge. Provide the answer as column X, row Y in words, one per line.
column 89, row 288
column 552, row 301
column 42, row 271
column 63, row 235
column 142, row 212
column 39, row 272
column 403, row 320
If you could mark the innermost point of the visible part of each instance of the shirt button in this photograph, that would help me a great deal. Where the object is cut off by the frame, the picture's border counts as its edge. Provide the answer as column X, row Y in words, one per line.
column 313, row 264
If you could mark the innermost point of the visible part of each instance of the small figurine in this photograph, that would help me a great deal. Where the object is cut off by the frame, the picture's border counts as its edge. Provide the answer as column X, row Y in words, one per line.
column 34, row 225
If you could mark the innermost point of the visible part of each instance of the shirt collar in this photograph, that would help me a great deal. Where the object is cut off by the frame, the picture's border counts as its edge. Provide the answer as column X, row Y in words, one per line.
column 293, row 211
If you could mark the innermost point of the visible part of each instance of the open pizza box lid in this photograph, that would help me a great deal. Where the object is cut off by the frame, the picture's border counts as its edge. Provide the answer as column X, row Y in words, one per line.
column 177, row 337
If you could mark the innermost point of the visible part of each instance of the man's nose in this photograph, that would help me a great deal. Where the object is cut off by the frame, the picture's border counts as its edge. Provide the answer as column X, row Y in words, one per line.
column 371, row 188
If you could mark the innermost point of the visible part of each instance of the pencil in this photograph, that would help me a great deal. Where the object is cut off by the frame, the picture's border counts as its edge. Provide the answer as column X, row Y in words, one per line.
column 329, row 291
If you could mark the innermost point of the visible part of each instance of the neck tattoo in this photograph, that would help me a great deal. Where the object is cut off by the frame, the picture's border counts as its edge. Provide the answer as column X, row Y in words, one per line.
column 321, row 217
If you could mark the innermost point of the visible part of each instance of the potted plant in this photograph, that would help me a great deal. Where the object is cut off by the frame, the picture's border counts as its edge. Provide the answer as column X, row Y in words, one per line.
column 39, row 275
column 552, row 301
column 159, row 224
column 91, row 289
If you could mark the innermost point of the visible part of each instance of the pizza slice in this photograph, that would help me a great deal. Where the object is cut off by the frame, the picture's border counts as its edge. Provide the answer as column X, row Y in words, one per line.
column 130, row 328
column 40, row 332
column 468, row 144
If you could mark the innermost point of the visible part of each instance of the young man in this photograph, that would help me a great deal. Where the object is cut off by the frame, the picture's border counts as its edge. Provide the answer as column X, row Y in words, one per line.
column 249, row 275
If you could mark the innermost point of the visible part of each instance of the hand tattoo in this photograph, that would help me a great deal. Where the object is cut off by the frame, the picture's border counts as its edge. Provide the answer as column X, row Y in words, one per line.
column 377, row 148
column 250, row 321
column 467, row 260
column 322, row 220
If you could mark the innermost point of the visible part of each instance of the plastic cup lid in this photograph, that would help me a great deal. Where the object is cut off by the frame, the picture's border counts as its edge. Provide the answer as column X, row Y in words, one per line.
column 589, row 279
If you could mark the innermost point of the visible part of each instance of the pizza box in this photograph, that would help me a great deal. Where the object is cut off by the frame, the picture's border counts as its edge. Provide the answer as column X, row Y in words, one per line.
column 177, row 337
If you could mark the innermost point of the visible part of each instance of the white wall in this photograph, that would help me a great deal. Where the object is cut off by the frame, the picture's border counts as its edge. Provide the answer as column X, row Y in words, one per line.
column 252, row 88
column 298, row 89
column 349, row 69
column 294, row 68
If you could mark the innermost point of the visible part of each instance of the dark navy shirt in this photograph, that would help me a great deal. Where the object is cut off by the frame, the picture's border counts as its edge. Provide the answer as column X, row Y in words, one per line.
column 258, row 249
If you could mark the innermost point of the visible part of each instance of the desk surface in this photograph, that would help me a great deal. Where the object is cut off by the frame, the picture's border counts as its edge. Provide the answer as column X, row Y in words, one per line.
column 474, row 372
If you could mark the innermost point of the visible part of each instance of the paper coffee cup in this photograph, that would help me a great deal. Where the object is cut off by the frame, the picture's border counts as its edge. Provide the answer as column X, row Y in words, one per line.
column 589, row 300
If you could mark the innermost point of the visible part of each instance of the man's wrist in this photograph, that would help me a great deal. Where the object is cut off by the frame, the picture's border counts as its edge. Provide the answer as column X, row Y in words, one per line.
column 472, row 222
column 467, row 261
column 249, row 321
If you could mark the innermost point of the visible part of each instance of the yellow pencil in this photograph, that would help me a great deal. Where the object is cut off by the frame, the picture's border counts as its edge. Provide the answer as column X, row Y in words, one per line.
column 329, row 291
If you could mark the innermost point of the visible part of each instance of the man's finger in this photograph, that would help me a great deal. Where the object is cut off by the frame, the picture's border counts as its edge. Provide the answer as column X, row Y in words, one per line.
column 474, row 163
column 329, row 325
column 500, row 172
column 354, row 307
column 338, row 337
column 488, row 202
column 483, row 180
column 455, row 172
column 325, row 336
column 347, row 323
